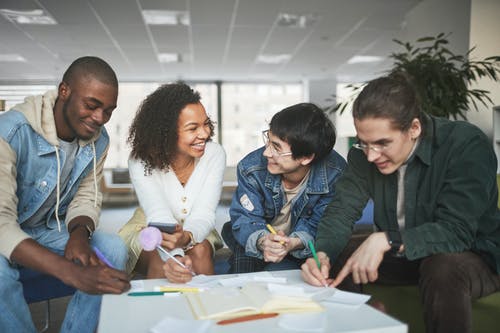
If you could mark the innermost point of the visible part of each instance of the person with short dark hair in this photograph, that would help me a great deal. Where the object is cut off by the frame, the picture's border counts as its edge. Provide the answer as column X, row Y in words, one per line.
column 433, row 184
column 52, row 152
column 177, row 172
column 286, row 184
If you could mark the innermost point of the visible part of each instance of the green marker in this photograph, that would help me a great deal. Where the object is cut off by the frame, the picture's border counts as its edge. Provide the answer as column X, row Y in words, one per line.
column 315, row 255
column 149, row 293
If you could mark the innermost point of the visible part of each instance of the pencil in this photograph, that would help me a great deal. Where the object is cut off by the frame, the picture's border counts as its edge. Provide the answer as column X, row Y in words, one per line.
column 271, row 230
column 247, row 318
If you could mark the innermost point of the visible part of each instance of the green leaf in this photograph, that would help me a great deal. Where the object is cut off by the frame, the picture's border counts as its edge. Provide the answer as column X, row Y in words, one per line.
column 440, row 76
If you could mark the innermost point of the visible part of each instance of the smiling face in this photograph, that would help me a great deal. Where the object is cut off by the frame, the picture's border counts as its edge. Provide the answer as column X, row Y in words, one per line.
column 280, row 163
column 380, row 132
column 83, row 108
column 193, row 128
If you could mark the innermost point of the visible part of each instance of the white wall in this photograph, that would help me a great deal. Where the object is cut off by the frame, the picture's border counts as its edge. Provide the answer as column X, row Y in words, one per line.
column 484, row 31
column 431, row 17
column 428, row 18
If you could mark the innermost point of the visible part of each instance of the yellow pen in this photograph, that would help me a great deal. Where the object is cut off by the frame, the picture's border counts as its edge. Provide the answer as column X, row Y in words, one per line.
column 177, row 289
column 271, row 230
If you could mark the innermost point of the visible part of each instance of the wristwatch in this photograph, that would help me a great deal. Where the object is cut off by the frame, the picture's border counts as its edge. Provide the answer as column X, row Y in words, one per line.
column 86, row 226
column 395, row 241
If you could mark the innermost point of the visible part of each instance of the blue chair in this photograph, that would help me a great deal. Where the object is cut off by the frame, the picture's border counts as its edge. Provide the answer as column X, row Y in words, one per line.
column 365, row 223
column 39, row 287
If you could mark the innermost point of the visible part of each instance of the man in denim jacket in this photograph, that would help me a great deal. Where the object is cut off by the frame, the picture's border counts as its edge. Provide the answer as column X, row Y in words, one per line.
column 52, row 151
column 283, row 189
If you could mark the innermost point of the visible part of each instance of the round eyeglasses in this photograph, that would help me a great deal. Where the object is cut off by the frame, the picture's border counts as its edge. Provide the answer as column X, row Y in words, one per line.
column 272, row 149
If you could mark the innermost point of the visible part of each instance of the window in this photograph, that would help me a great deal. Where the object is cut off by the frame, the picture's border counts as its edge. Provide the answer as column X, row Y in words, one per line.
column 247, row 109
column 129, row 98
column 12, row 95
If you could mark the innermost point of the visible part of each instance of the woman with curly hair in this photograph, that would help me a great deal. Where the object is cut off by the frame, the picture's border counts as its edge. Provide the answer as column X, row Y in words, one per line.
column 177, row 174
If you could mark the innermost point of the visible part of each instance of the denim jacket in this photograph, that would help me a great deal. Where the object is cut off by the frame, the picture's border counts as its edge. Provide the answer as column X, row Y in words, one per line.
column 259, row 197
column 28, row 155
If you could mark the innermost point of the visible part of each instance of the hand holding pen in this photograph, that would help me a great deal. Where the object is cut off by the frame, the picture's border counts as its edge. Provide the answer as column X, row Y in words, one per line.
column 150, row 239
column 316, row 270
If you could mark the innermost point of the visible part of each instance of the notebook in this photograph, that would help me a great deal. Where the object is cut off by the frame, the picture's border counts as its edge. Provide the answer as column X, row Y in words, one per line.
column 253, row 298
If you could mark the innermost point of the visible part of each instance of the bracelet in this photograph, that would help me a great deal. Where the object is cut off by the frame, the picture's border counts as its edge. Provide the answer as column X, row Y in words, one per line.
column 191, row 243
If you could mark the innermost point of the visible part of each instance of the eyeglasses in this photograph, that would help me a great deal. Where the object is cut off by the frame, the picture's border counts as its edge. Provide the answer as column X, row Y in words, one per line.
column 375, row 148
column 274, row 152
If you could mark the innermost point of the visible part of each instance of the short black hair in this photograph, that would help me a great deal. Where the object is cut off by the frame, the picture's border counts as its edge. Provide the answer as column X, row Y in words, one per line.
column 153, row 134
column 306, row 128
column 90, row 66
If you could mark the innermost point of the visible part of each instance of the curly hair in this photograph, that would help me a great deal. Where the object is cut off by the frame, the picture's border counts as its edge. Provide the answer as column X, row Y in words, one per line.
column 153, row 134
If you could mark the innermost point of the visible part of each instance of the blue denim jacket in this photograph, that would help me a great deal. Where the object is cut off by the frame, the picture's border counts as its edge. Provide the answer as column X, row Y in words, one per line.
column 36, row 165
column 259, row 197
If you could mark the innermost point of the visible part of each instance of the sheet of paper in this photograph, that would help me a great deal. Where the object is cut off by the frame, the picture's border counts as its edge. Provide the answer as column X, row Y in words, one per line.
column 171, row 324
column 136, row 285
column 347, row 298
column 270, row 279
column 237, row 281
column 303, row 290
column 241, row 280
column 204, row 281
column 303, row 322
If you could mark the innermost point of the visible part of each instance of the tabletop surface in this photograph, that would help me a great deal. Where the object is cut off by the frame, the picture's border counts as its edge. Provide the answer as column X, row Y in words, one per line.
column 123, row 313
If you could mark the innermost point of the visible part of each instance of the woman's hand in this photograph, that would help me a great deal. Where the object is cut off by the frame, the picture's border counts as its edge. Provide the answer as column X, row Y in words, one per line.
column 178, row 239
column 176, row 273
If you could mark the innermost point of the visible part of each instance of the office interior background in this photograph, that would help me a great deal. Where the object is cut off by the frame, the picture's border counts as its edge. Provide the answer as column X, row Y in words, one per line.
column 248, row 58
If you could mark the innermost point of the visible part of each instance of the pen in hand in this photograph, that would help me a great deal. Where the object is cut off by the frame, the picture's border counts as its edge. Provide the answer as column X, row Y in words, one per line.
column 174, row 259
column 315, row 255
column 150, row 238
column 101, row 257
column 271, row 230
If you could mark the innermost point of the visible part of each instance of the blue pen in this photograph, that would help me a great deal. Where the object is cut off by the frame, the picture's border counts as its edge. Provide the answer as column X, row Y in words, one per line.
column 102, row 257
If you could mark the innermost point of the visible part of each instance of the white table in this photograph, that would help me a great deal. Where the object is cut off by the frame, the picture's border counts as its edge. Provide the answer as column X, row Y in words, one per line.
column 122, row 313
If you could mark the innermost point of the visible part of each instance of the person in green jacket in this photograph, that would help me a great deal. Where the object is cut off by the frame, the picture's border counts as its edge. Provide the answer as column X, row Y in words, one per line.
column 433, row 184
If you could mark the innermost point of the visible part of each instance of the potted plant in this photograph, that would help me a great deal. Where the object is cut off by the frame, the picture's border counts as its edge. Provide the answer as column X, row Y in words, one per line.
column 442, row 78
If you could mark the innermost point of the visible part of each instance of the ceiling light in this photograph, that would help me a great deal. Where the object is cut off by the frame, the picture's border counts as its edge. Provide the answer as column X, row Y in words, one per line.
column 296, row 21
column 358, row 59
column 11, row 58
column 36, row 16
column 165, row 17
column 169, row 57
column 273, row 58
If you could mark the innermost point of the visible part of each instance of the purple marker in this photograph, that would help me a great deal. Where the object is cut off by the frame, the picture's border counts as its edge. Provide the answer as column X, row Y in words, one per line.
column 102, row 257
column 150, row 239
